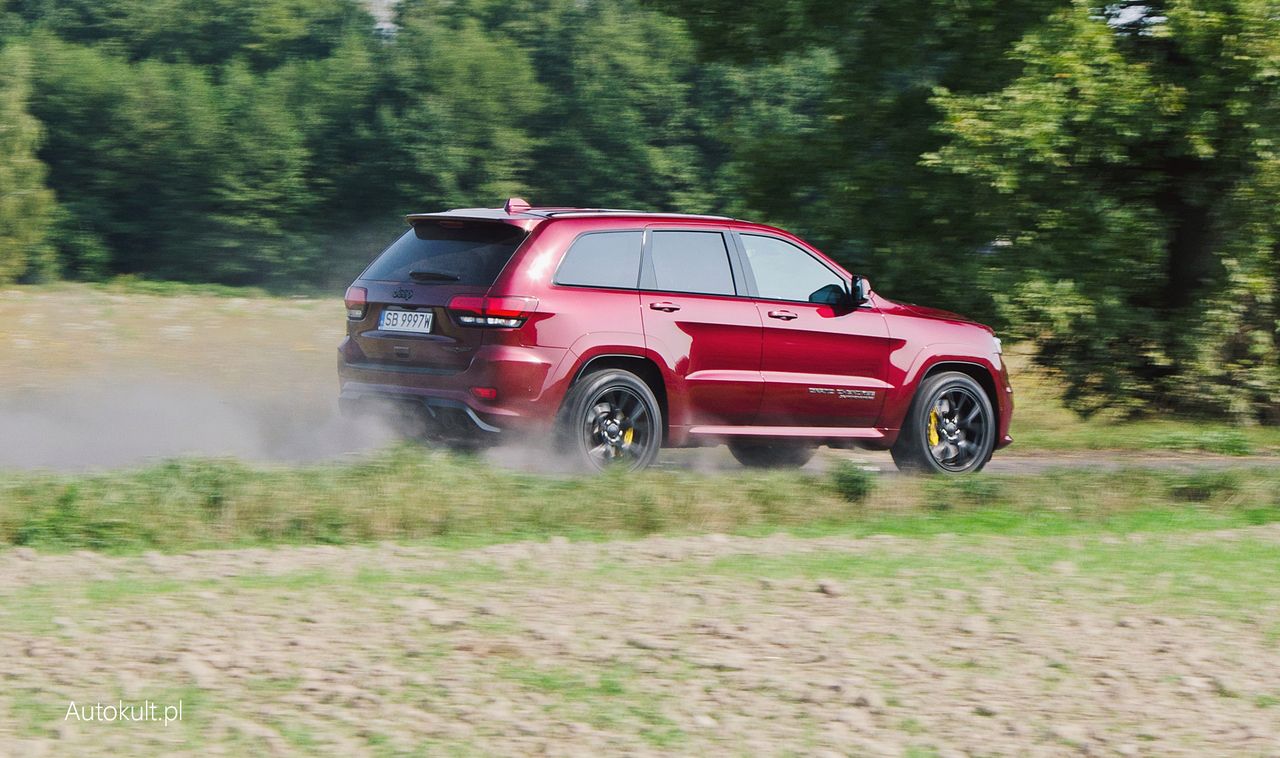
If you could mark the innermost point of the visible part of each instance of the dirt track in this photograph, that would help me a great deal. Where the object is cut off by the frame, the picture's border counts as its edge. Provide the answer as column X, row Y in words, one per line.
column 707, row 645
column 1003, row 462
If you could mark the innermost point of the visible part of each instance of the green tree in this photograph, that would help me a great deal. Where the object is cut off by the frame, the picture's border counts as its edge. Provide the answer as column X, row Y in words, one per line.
column 456, row 118
column 265, row 33
column 337, row 102
column 620, row 128
column 830, row 113
column 1132, row 165
column 175, row 174
column 258, row 190
column 27, row 206
column 618, row 122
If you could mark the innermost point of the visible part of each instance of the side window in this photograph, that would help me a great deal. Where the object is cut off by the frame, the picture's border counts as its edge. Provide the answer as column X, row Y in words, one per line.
column 785, row 272
column 695, row 262
column 602, row 259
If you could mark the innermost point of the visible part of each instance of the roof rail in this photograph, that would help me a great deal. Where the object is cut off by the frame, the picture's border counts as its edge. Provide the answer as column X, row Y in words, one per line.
column 520, row 207
column 620, row 212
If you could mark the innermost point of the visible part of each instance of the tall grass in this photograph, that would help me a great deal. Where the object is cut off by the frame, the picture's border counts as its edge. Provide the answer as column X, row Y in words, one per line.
column 412, row 494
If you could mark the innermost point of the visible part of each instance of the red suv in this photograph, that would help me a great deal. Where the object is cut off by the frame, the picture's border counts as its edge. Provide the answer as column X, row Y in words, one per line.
column 619, row 332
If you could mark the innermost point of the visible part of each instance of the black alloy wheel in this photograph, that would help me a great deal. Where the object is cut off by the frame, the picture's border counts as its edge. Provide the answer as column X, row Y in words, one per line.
column 949, row 429
column 612, row 421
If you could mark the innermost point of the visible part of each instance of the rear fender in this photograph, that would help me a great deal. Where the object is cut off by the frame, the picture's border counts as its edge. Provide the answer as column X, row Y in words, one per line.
column 590, row 349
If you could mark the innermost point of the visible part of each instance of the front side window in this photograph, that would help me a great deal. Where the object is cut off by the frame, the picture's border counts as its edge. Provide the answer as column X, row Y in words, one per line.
column 696, row 262
column 602, row 259
column 785, row 272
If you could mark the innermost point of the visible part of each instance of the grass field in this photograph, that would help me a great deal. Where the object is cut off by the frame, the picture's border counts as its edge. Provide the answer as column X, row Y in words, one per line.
column 1041, row 423
column 413, row 494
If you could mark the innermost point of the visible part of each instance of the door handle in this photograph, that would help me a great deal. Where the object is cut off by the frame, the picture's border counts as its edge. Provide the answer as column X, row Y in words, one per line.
column 784, row 315
column 664, row 306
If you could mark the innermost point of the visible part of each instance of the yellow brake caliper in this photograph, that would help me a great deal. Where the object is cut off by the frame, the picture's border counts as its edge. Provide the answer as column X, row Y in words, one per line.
column 933, row 427
column 626, row 437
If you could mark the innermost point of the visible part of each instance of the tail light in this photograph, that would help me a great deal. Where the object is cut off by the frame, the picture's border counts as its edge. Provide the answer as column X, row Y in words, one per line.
column 494, row 312
column 357, row 300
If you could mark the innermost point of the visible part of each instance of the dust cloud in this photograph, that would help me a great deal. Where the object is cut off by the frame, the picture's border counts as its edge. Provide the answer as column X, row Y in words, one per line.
column 122, row 421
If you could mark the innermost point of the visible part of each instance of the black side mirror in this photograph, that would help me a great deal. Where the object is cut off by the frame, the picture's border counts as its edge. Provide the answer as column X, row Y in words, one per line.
column 859, row 294
column 839, row 298
column 833, row 295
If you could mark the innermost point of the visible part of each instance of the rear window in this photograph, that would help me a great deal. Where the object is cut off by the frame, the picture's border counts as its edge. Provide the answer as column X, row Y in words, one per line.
column 472, row 251
column 603, row 259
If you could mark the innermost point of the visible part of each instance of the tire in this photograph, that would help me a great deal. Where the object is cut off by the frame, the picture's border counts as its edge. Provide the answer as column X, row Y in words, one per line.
column 610, row 419
column 765, row 453
column 963, row 431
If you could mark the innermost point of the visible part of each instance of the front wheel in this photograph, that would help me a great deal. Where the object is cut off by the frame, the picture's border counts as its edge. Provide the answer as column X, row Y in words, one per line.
column 949, row 428
column 611, row 420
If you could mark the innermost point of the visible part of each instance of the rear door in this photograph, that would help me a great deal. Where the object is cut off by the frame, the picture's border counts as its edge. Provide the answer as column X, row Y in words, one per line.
column 411, row 282
column 698, row 317
column 822, row 365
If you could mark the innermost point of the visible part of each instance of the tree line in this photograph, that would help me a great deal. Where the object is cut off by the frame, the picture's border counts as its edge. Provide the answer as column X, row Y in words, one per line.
column 1100, row 181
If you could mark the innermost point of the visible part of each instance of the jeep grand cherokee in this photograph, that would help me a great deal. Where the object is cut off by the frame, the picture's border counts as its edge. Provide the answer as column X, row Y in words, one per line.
column 618, row 332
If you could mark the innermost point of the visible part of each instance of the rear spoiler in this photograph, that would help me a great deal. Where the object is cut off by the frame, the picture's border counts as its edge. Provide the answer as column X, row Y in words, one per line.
column 474, row 214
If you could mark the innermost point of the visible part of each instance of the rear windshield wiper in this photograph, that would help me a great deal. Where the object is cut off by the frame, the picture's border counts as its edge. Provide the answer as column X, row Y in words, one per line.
column 433, row 276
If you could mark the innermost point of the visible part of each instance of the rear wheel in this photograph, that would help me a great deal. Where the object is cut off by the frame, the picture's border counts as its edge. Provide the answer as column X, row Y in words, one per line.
column 611, row 419
column 756, row 453
column 949, row 429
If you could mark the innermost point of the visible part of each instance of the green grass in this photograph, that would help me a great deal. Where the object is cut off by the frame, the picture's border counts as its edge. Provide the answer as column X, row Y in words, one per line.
column 135, row 285
column 1038, row 434
column 129, row 284
column 1042, row 423
column 612, row 701
column 1241, row 574
column 412, row 494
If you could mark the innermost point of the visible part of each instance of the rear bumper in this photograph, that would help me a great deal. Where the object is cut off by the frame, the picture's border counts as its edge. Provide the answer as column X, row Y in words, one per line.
column 447, row 415
column 521, row 377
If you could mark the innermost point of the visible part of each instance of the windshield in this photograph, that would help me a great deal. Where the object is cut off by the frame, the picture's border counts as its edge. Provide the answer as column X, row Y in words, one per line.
column 472, row 251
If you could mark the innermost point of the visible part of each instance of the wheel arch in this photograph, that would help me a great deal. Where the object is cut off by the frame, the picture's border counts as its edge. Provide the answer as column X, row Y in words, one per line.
column 641, row 366
column 975, row 371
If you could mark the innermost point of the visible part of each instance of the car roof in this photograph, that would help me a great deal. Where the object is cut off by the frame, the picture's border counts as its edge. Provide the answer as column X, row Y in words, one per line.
column 520, row 213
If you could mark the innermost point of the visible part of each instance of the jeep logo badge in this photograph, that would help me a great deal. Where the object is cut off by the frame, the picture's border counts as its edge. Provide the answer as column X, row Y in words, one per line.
column 402, row 293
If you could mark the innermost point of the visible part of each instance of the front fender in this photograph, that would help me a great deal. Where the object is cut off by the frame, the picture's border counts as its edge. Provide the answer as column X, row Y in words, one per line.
column 906, row 372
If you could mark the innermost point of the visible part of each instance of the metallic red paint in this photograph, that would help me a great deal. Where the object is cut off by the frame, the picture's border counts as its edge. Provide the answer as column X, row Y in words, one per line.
column 727, row 367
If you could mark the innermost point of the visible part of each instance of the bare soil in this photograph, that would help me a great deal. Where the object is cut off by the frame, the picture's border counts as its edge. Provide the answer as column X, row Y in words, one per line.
column 698, row 645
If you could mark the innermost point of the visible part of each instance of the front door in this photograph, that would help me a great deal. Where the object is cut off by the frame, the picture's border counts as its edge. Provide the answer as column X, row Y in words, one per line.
column 822, row 365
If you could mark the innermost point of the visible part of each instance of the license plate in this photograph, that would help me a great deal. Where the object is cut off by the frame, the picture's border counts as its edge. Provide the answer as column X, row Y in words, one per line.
column 406, row 321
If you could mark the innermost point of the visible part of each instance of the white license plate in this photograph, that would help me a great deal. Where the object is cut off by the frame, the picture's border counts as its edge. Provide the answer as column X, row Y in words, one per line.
column 418, row 322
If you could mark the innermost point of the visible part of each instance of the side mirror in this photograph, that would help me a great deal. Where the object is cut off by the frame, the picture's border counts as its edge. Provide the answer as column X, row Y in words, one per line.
column 840, row 299
column 859, row 293
column 833, row 295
